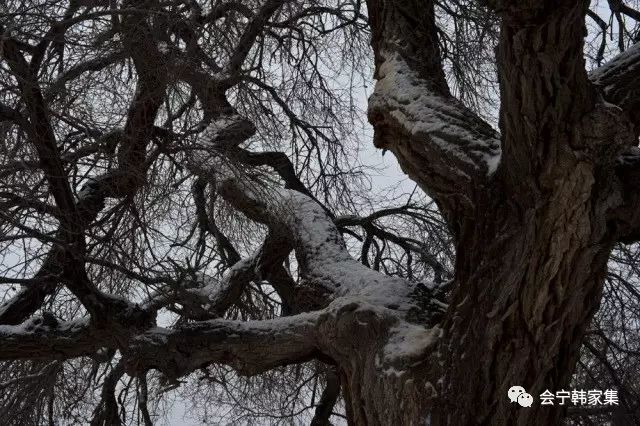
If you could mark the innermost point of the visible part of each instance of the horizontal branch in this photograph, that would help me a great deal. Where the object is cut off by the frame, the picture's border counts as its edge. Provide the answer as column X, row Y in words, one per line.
column 250, row 347
column 43, row 338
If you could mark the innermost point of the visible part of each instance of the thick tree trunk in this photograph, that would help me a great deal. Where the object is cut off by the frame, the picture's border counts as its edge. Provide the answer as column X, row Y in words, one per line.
column 530, row 267
column 533, row 239
column 528, row 285
column 378, row 390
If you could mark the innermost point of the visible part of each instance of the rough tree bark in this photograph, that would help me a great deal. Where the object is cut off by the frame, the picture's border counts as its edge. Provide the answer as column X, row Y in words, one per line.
column 533, row 237
column 535, row 210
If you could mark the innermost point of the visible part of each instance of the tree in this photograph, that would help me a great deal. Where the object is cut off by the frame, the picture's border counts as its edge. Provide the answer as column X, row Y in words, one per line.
column 209, row 218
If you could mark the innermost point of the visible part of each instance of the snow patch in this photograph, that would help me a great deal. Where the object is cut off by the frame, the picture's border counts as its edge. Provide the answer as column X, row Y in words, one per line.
column 442, row 120
column 410, row 341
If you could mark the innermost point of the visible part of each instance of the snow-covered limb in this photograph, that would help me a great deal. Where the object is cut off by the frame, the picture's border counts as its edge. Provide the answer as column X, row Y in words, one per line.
column 325, row 263
column 46, row 338
column 405, row 101
column 619, row 82
column 250, row 347
column 343, row 291
column 438, row 142
column 442, row 145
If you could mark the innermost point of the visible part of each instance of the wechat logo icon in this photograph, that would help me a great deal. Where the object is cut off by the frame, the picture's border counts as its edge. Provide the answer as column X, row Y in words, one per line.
column 519, row 395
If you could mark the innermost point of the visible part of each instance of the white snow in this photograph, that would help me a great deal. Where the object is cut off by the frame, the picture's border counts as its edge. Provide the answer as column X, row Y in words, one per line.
column 410, row 341
column 324, row 259
column 163, row 47
column 35, row 325
column 441, row 120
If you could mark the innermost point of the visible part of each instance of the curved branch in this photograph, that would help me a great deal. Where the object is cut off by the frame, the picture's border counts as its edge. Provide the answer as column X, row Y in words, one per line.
column 439, row 143
column 324, row 261
column 619, row 82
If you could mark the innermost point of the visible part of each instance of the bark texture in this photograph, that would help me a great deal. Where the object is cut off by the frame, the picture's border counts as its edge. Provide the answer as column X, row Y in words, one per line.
column 535, row 209
column 533, row 237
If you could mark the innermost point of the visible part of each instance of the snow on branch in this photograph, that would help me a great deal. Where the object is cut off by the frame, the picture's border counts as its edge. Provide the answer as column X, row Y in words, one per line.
column 440, row 120
column 45, row 338
column 324, row 260
column 252, row 347
column 441, row 144
column 619, row 82
column 356, row 296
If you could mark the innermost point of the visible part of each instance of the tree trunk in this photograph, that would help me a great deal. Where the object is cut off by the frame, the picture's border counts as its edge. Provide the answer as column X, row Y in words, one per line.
column 528, row 285
column 533, row 238
column 377, row 391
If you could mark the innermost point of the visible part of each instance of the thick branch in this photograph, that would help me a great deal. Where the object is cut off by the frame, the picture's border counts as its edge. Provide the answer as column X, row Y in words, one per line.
column 248, row 346
column 439, row 143
column 618, row 80
column 323, row 258
column 44, row 338
column 551, row 118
